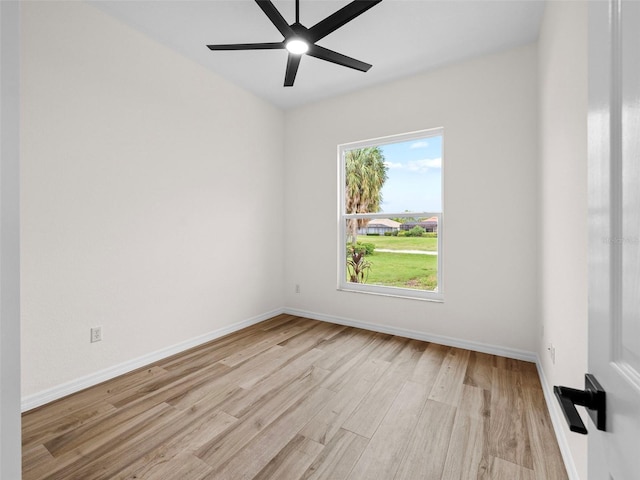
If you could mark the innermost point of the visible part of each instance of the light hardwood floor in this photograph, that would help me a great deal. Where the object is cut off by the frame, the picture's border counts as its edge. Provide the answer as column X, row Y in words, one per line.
column 293, row 398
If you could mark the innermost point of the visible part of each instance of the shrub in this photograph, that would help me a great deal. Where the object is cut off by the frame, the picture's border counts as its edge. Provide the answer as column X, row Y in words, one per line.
column 367, row 248
column 431, row 235
column 416, row 231
column 388, row 234
column 373, row 234
column 357, row 267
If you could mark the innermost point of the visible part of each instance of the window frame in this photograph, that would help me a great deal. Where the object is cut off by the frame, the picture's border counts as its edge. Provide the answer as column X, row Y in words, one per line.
column 398, row 292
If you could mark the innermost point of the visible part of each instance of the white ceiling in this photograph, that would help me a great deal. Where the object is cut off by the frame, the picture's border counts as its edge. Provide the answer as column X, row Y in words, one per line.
column 399, row 37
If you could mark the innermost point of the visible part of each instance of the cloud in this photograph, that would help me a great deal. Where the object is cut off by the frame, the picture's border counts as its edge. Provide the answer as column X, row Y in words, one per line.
column 424, row 165
column 419, row 166
column 391, row 165
column 419, row 144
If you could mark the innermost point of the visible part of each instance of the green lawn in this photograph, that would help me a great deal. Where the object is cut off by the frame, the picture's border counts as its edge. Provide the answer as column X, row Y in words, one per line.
column 402, row 243
column 404, row 270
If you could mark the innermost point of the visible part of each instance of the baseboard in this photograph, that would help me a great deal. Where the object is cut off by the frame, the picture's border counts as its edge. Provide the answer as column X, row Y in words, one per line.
column 427, row 337
column 557, row 421
column 41, row 398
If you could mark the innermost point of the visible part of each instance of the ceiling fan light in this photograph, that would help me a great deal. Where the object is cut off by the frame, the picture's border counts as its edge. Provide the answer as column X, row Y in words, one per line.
column 297, row 46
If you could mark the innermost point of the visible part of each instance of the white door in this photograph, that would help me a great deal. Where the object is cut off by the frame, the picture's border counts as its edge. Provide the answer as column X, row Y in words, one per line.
column 614, row 234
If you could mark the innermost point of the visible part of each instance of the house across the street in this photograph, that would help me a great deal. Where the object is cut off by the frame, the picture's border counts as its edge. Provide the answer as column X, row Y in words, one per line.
column 429, row 225
column 379, row 226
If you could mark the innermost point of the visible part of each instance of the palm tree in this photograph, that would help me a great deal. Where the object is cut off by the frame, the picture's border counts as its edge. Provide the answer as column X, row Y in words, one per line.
column 365, row 175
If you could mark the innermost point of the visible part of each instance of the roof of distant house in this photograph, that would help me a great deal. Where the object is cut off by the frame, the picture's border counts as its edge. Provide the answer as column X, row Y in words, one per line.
column 386, row 222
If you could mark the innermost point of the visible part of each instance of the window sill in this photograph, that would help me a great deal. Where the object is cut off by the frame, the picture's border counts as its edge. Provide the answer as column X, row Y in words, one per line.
column 393, row 292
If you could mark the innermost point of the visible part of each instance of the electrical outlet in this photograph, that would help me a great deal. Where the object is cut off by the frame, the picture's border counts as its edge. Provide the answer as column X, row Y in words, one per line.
column 297, row 288
column 552, row 353
column 96, row 334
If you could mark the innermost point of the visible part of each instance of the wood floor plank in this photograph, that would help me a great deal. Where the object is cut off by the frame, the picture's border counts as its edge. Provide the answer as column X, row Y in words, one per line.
column 465, row 448
column 220, row 451
column 471, row 431
column 428, row 366
column 183, row 466
column 59, row 411
column 293, row 398
column 245, row 354
column 507, row 363
column 36, row 457
column 390, row 346
column 369, row 414
column 210, row 424
column 292, row 461
column 244, row 400
column 475, row 402
column 316, row 335
column 257, row 453
column 75, row 455
column 109, row 430
column 503, row 470
column 291, row 349
column 509, row 435
column 220, row 348
column 547, row 460
column 387, row 447
column 329, row 420
column 169, row 385
column 242, row 376
column 335, row 345
column 214, row 351
column 283, row 321
column 529, row 375
column 235, row 384
column 340, row 350
column 344, row 374
column 480, row 370
column 159, row 430
column 447, row 387
column 55, row 426
column 264, row 364
column 427, row 447
column 214, row 392
column 338, row 457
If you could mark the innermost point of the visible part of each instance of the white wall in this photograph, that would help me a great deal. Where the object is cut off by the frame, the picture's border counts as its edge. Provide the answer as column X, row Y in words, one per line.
column 488, row 108
column 563, row 201
column 151, row 196
column 10, row 434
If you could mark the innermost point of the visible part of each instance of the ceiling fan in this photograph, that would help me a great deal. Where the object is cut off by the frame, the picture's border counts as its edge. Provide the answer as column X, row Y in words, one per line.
column 299, row 39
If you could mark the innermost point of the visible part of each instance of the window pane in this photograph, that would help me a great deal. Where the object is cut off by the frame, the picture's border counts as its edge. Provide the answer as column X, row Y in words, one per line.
column 414, row 171
column 395, row 177
column 385, row 254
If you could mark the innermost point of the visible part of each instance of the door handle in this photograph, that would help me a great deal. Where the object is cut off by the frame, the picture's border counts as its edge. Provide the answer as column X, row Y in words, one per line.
column 593, row 397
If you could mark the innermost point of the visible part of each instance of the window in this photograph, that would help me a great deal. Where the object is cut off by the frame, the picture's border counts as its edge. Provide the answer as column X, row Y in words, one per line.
column 391, row 215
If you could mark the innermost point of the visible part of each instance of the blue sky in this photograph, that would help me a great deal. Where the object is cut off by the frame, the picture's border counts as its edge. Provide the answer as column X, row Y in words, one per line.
column 414, row 171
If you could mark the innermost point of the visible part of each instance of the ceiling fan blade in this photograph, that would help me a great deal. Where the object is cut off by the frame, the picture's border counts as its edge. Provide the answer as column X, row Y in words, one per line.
column 339, row 18
column 293, row 62
column 248, row 46
column 276, row 18
column 335, row 57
